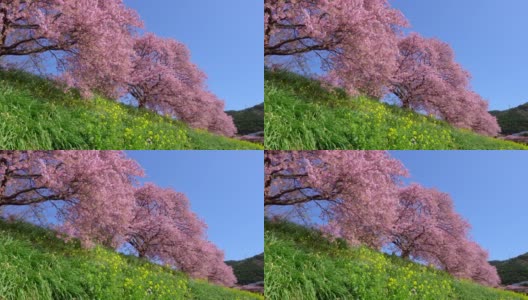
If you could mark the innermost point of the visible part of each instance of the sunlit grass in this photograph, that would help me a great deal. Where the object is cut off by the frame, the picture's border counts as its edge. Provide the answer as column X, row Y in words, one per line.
column 35, row 264
column 300, row 264
column 35, row 114
column 301, row 115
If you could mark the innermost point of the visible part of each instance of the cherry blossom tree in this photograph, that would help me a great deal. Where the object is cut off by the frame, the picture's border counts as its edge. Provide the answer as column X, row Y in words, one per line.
column 355, row 39
column 293, row 27
column 195, row 259
column 427, row 73
column 165, row 229
column 218, row 121
column 479, row 118
column 360, row 200
column 479, row 269
column 346, row 186
column 95, row 47
column 429, row 79
column 78, row 184
column 429, row 230
column 359, row 45
column 216, row 270
column 426, row 222
column 162, row 222
column 165, row 80
column 466, row 259
column 90, row 40
column 96, row 198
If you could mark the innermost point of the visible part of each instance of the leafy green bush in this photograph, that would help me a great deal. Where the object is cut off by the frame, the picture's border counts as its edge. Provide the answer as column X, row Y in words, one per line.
column 302, row 115
column 36, row 114
column 302, row 264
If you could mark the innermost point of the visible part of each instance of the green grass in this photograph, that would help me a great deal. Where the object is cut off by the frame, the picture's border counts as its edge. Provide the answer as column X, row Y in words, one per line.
column 35, row 114
column 300, row 264
column 302, row 115
column 35, row 264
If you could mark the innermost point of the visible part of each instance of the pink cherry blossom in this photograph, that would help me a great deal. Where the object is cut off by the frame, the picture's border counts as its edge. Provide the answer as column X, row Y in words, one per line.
column 429, row 79
column 79, row 185
column 348, row 187
column 165, row 80
column 78, row 34
column 356, row 40
column 164, row 228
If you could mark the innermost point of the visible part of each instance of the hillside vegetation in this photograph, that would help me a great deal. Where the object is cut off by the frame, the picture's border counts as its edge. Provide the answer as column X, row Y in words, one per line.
column 301, row 264
column 35, row 264
column 249, row 270
column 513, row 120
column 35, row 114
column 249, row 120
column 302, row 115
column 514, row 270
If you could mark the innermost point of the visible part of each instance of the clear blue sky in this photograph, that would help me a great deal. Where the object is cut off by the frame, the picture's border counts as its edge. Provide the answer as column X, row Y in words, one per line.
column 489, row 38
column 225, row 189
column 225, row 38
column 488, row 189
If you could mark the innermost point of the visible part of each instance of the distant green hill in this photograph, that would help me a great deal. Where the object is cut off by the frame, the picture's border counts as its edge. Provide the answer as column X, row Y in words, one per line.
column 513, row 270
column 513, row 120
column 249, row 120
column 249, row 270
column 36, row 265
column 36, row 114
column 301, row 263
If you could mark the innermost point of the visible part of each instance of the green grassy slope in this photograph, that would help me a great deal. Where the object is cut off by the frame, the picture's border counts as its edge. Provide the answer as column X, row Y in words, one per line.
column 513, row 120
column 34, row 264
column 249, row 270
column 513, row 270
column 301, row 115
column 300, row 264
column 249, row 120
column 34, row 114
